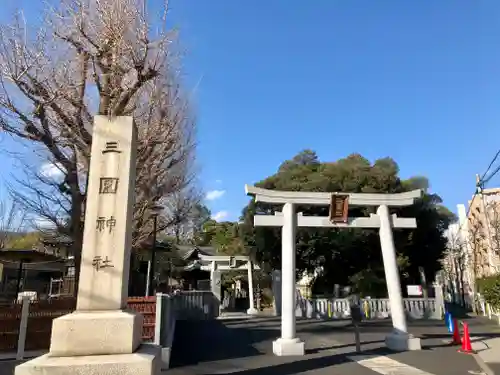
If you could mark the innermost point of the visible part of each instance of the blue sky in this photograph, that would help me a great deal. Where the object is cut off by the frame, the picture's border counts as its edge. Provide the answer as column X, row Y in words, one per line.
column 415, row 80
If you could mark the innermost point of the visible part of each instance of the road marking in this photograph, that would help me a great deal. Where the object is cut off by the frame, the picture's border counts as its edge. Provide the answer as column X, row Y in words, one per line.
column 386, row 366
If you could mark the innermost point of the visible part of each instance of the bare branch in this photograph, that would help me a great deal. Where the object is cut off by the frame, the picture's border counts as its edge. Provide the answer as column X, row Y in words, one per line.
column 11, row 221
column 98, row 57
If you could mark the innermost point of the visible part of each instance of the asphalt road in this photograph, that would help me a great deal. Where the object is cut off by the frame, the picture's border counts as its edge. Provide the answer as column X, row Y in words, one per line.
column 245, row 346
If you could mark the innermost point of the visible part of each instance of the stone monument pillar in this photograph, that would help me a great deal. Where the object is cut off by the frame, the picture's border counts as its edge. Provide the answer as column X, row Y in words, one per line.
column 101, row 336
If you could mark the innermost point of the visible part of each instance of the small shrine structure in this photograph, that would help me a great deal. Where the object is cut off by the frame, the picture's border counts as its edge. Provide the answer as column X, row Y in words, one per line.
column 217, row 264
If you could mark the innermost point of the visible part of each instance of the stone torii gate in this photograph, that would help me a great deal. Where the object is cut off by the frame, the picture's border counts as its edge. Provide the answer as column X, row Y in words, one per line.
column 289, row 220
column 218, row 263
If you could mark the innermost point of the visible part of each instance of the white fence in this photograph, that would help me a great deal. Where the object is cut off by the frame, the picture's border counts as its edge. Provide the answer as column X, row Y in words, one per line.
column 373, row 308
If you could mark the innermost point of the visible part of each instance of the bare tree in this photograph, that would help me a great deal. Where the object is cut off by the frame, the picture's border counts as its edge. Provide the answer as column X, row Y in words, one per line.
column 11, row 221
column 493, row 220
column 166, row 172
column 96, row 57
column 456, row 262
column 484, row 228
column 478, row 250
column 183, row 208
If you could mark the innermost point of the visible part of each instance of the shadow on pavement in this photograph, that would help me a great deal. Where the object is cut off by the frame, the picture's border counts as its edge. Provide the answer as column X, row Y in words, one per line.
column 212, row 340
column 458, row 312
column 341, row 346
column 302, row 365
column 202, row 341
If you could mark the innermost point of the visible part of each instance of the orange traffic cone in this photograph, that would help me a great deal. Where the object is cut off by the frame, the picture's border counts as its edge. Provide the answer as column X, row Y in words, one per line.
column 456, row 334
column 466, row 344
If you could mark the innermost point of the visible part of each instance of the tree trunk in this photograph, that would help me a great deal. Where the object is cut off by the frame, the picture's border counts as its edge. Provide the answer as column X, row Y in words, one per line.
column 77, row 225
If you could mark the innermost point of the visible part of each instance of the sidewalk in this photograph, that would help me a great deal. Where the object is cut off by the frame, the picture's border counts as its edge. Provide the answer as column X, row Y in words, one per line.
column 7, row 367
column 244, row 346
column 27, row 355
column 487, row 346
column 8, row 360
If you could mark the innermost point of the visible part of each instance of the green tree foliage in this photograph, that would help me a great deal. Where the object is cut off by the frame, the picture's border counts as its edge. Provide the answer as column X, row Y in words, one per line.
column 224, row 236
column 351, row 256
column 24, row 241
column 200, row 217
column 489, row 287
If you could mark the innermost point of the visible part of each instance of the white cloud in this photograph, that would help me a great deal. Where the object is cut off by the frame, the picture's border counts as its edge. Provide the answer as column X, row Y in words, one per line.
column 43, row 223
column 214, row 194
column 56, row 170
column 221, row 215
column 50, row 170
column 218, row 181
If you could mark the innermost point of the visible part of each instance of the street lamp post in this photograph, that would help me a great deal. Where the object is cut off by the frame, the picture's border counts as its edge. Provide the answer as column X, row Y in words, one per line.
column 150, row 287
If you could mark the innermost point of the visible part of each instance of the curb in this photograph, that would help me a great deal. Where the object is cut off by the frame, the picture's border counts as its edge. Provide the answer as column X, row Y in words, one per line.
column 30, row 354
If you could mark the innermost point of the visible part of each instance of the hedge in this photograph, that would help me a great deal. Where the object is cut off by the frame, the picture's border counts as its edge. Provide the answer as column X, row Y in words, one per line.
column 489, row 287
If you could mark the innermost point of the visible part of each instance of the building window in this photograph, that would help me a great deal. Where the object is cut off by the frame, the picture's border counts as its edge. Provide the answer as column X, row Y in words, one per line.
column 70, row 271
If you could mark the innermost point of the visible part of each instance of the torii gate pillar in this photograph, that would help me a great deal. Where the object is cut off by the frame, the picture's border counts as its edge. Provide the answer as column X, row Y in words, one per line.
column 398, row 339
column 289, row 220
column 288, row 343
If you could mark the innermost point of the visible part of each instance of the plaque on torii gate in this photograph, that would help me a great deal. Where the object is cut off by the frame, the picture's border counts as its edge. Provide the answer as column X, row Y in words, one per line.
column 339, row 208
column 289, row 220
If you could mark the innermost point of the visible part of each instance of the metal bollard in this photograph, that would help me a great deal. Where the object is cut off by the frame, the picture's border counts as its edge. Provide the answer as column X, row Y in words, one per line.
column 357, row 338
column 356, row 317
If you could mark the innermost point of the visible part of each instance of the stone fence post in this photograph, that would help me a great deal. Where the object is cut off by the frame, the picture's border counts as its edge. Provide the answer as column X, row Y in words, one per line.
column 165, row 326
column 276, row 287
column 23, row 327
column 439, row 295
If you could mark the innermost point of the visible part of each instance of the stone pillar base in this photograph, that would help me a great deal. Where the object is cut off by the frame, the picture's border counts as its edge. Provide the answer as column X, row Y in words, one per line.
column 96, row 333
column 288, row 347
column 145, row 361
column 252, row 311
column 402, row 342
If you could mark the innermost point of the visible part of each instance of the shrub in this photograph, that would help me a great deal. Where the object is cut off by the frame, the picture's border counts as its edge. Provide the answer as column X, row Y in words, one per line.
column 489, row 287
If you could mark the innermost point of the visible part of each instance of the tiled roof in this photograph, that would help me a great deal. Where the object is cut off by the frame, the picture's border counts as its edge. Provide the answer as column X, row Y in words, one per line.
column 59, row 239
column 185, row 251
column 36, row 253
